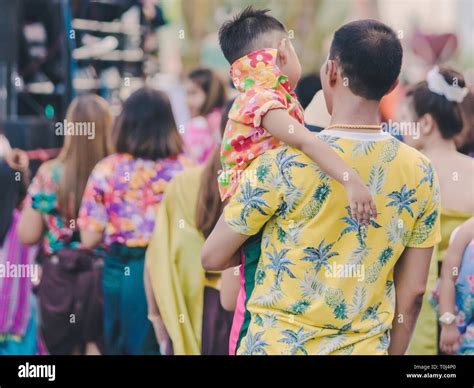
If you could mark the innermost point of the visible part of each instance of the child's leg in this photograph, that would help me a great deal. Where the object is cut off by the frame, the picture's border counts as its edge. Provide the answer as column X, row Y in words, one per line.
column 239, row 312
column 252, row 250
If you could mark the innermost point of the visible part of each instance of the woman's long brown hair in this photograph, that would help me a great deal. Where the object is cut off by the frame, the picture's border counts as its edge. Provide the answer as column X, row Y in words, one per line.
column 80, row 153
column 209, row 204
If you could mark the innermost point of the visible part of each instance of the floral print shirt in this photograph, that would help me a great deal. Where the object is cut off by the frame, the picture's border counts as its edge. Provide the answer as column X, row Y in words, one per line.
column 122, row 196
column 43, row 197
column 324, row 283
column 263, row 87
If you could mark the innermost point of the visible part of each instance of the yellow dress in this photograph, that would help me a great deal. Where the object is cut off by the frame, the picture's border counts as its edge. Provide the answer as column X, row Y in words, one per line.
column 324, row 283
column 174, row 266
column 425, row 337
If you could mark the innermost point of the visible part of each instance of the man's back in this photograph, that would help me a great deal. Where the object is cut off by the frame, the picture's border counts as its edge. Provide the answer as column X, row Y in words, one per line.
column 324, row 283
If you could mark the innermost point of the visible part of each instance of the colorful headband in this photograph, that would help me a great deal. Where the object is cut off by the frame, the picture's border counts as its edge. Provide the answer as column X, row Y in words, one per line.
column 437, row 84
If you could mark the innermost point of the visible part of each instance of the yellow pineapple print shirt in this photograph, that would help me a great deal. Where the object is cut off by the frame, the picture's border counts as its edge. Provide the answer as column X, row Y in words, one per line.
column 324, row 283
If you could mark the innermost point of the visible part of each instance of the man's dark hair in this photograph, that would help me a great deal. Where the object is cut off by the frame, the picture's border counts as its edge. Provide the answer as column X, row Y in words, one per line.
column 239, row 36
column 370, row 55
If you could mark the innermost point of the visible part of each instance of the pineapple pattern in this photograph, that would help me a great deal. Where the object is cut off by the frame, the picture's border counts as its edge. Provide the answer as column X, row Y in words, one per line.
column 324, row 282
column 311, row 209
column 389, row 150
column 421, row 233
column 373, row 271
column 334, row 298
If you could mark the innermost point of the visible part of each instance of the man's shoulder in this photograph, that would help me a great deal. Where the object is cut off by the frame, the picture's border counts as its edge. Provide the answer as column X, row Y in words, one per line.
column 410, row 154
column 408, row 158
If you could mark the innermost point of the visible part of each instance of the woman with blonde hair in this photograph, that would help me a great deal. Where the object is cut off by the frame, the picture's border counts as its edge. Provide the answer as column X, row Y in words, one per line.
column 69, row 291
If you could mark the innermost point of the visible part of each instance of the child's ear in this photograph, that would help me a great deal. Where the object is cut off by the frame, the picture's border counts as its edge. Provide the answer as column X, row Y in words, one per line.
column 283, row 51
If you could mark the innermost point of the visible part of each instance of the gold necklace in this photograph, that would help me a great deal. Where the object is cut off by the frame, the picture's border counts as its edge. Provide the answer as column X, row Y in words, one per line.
column 355, row 126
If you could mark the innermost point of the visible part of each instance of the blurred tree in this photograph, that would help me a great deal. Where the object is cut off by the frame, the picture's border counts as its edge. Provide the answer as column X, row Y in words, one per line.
column 310, row 23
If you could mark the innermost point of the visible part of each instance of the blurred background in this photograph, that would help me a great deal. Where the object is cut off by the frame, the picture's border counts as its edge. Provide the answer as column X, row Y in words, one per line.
column 52, row 50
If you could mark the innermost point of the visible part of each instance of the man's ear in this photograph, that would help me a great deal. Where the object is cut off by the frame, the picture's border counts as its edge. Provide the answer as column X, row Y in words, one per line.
column 427, row 123
column 331, row 71
column 283, row 52
column 394, row 85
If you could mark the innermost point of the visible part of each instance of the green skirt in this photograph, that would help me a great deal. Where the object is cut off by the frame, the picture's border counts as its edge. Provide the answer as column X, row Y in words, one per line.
column 127, row 330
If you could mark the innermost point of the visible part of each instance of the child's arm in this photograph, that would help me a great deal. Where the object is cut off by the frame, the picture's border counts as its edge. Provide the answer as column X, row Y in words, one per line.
column 450, row 336
column 284, row 127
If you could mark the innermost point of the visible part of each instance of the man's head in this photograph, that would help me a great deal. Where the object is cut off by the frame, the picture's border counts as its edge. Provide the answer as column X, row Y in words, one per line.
column 365, row 59
column 253, row 30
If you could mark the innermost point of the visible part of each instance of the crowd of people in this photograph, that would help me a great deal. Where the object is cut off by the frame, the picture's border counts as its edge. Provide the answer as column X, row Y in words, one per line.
column 245, row 232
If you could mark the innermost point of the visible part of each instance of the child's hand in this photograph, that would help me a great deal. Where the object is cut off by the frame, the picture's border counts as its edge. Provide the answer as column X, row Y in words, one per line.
column 450, row 339
column 361, row 202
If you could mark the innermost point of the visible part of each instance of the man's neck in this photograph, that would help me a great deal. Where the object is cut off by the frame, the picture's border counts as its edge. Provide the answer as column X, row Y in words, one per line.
column 353, row 110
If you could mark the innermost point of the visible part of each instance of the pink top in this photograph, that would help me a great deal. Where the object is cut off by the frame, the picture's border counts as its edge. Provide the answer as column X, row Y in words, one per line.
column 202, row 136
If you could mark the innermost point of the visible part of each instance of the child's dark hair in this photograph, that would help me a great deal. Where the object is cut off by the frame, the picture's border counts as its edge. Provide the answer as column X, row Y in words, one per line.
column 370, row 55
column 213, row 86
column 447, row 114
column 146, row 127
column 239, row 36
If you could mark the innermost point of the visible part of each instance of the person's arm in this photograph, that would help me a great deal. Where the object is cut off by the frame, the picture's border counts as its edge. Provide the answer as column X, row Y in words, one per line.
column 410, row 276
column 91, row 239
column 18, row 160
column 450, row 336
column 248, row 210
column 230, row 286
column 93, row 217
column 284, row 127
column 31, row 226
column 164, row 340
column 220, row 248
